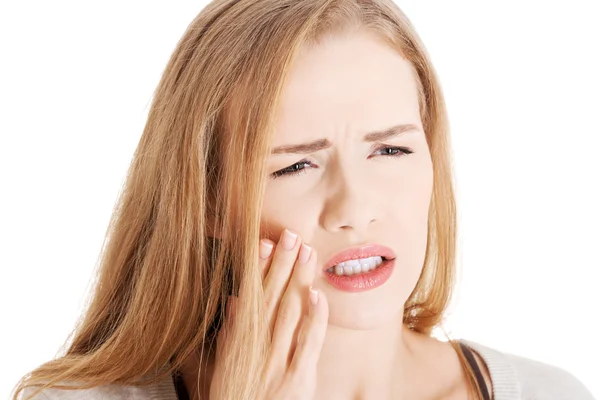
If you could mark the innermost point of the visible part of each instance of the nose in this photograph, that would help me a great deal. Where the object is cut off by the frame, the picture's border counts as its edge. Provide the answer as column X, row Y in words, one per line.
column 351, row 204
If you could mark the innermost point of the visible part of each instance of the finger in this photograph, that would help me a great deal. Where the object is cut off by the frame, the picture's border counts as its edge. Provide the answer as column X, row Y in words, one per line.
column 290, row 311
column 293, row 305
column 280, row 270
column 265, row 251
column 310, row 338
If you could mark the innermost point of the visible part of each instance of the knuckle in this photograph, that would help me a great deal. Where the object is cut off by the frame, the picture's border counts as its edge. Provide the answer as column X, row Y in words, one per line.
column 270, row 297
column 302, row 331
column 305, row 341
column 301, row 345
column 284, row 314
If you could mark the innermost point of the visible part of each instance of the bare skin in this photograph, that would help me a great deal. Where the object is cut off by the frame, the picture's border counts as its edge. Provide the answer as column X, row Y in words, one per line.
column 435, row 373
column 439, row 364
column 353, row 193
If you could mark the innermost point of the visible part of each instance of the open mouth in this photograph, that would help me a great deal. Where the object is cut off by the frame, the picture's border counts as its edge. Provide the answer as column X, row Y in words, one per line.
column 358, row 266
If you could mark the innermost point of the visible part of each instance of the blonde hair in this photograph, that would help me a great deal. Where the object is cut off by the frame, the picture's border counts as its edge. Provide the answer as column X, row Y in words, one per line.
column 162, row 279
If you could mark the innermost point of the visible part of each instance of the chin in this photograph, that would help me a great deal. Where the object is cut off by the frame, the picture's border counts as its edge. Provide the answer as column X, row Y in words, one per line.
column 375, row 308
column 363, row 319
column 366, row 312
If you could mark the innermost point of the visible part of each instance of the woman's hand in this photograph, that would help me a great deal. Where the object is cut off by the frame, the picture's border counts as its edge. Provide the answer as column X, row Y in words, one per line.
column 297, row 317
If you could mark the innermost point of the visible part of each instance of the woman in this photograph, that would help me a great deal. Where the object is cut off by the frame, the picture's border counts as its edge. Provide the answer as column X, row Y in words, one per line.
column 294, row 170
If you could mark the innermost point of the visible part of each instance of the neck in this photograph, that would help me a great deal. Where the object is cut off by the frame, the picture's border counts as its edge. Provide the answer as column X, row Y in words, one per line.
column 198, row 385
column 390, row 361
column 358, row 363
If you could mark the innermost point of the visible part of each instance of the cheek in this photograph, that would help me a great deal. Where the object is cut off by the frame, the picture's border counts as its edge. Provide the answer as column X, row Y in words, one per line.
column 410, row 207
column 422, row 184
column 280, row 211
column 421, row 201
column 410, row 195
column 421, row 181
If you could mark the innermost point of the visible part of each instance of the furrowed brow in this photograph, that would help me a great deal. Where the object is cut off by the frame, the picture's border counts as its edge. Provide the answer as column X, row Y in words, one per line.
column 321, row 144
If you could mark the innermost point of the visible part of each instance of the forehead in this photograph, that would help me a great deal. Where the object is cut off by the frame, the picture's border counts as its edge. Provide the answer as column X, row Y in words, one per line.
column 352, row 81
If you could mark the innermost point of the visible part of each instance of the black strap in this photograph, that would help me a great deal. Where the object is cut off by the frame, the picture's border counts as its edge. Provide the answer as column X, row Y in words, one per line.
column 480, row 381
column 182, row 393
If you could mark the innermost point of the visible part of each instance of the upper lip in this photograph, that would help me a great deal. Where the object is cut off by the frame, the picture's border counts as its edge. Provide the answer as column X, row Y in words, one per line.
column 354, row 253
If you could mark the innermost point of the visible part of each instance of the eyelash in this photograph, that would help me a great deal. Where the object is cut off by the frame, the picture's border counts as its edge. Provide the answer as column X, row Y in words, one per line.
column 293, row 169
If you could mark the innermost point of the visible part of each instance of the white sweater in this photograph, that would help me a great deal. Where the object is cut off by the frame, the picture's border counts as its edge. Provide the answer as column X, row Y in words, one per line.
column 513, row 377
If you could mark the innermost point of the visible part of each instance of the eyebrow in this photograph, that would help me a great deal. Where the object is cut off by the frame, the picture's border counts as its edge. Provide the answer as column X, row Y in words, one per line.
column 321, row 144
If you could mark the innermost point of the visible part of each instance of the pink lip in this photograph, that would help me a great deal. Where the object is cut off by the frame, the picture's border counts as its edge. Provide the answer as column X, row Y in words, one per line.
column 360, row 252
column 363, row 281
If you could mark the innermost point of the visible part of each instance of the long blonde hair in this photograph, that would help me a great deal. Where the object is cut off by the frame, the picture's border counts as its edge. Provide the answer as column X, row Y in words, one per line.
column 163, row 277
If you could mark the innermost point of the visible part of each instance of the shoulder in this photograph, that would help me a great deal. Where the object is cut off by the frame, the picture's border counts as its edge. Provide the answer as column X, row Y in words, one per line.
column 526, row 378
column 541, row 380
column 161, row 391
column 101, row 392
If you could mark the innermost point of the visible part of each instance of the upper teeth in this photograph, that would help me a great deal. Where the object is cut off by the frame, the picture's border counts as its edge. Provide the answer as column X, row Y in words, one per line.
column 352, row 267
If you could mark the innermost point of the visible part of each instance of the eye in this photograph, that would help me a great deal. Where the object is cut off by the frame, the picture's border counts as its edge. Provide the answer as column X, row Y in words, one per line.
column 395, row 151
column 300, row 166
column 294, row 169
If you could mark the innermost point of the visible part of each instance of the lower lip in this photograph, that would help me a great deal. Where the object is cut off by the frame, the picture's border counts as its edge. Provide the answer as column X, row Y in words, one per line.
column 363, row 281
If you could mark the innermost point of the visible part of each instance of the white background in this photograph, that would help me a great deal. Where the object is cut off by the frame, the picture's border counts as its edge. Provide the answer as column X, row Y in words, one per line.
column 521, row 80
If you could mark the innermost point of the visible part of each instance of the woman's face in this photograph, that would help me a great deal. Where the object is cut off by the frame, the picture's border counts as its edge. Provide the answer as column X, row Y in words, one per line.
column 353, row 192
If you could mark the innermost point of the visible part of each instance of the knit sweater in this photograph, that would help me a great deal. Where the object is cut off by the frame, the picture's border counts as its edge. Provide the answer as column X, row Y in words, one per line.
column 513, row 377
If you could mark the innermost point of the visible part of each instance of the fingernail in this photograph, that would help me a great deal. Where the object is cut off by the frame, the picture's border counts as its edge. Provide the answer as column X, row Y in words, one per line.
column 289, row 240
column 304, row 253
column 265, row 249
column 314, row 296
